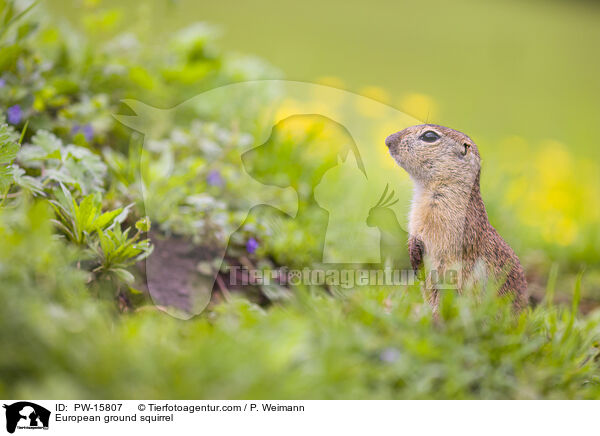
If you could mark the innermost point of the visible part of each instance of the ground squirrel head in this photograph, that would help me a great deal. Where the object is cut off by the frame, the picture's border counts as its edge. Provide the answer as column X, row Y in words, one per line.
column 433, row 154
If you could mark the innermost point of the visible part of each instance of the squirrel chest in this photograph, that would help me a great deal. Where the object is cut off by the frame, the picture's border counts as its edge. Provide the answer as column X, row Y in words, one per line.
column 438, row 221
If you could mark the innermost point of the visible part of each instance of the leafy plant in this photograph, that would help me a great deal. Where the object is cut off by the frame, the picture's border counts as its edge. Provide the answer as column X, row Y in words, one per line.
column 116, row 250
column 79, row 221
column 8, row 153
column 100, row 233
column 72, row 165
column 10, row 173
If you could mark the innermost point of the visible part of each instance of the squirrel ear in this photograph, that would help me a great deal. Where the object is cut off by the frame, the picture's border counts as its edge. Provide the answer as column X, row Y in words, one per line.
column 466, row 149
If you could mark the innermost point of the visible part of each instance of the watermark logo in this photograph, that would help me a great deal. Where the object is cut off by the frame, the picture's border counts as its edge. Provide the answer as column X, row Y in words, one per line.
column 24, row 415
column 339, row 277
column 343, row 182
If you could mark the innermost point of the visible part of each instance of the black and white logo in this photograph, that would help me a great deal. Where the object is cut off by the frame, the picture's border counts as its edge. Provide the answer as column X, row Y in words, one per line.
column 26, row 415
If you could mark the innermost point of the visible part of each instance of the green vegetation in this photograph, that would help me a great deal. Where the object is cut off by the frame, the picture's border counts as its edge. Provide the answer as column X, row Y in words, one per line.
column 76, row 320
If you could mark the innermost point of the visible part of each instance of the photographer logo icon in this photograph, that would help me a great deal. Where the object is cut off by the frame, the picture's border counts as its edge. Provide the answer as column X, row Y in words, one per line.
column 26, row 415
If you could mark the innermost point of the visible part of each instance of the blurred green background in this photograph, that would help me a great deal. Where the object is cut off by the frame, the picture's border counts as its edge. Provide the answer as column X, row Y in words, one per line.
column 521, row 78
column 494, row 68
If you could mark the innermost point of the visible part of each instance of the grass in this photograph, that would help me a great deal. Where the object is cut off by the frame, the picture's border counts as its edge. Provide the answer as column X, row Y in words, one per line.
column 370, row 343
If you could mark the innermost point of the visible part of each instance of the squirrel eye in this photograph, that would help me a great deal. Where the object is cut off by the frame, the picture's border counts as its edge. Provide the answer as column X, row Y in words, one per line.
column 466, row 149
column 429, row 136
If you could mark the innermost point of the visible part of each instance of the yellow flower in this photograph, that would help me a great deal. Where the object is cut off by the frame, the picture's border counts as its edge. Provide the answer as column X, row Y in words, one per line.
column 375, row 93
column 420, row 106
column 334, row 82
column 553, row 163
column 560, row 230
column 366, row 107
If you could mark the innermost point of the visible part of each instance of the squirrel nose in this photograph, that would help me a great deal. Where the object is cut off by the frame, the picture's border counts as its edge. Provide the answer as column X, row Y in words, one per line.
column 391, row 140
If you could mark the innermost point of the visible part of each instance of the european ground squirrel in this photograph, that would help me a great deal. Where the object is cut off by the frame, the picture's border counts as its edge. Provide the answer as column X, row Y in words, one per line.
column 449, row 229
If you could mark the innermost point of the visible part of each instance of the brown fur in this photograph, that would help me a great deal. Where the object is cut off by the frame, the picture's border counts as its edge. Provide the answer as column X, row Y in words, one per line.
column 448, row 225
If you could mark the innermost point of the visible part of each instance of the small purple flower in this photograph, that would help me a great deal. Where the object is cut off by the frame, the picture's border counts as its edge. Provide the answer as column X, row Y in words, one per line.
column 214, row 178
column 2, row 83
column 87, row 131
column 15, row 114
column 389, row 355
column 251, row 245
